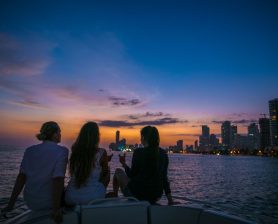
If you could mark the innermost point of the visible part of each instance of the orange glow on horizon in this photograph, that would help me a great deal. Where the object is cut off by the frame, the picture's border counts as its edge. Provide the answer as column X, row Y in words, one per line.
column 22, row 129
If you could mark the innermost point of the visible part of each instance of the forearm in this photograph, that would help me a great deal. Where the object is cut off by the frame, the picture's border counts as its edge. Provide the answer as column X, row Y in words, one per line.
column 105, row 176
column 105, row 170
column 169, row 197
column 19, row 184
column 127, row 169
column 58, row 188
column 166, row 186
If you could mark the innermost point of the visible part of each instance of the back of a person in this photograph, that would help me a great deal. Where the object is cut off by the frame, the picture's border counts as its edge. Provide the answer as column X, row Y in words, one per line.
column 147, row 177
column 91, row 190
column 149, row 181
column 39, row 165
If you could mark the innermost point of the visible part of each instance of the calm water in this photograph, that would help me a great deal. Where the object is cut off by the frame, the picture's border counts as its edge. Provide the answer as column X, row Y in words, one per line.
column 243, row 186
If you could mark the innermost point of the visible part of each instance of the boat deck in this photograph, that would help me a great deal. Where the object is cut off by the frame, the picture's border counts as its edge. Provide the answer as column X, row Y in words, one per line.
column 130, row 210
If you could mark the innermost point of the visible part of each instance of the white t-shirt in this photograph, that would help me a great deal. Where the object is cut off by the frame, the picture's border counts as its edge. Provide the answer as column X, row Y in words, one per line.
column 41, row 163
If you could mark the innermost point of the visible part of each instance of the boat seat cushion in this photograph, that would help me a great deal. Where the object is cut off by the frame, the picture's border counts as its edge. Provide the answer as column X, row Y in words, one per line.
column 32, row 218
column 123, row 213
column 173, row 215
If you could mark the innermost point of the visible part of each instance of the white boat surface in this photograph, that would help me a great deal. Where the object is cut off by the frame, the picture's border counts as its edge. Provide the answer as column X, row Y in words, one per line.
column 130, row 210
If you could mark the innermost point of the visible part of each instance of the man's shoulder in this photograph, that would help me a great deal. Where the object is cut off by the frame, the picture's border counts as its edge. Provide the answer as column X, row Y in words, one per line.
column 54, row 148
column 33, row 147
column 63, row 150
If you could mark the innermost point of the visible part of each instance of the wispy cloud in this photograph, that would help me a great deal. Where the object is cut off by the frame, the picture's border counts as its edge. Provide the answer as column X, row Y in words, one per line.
column 158, row 122
column 196, row 126
column 120, row 101
column 243, row 121
column 239, row 114
column 147, row 115
column 28, row 103
column 24, row 57
column 29, row 71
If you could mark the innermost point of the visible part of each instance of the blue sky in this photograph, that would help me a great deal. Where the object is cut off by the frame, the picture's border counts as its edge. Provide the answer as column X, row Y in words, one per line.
column 192, row 61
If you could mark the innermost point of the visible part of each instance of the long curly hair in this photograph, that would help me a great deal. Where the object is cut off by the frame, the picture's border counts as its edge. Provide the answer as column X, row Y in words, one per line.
column 83, row 153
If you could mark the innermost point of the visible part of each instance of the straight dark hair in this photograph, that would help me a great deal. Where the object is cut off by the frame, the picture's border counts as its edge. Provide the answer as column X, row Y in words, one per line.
column 83, row 153
column 150, row 135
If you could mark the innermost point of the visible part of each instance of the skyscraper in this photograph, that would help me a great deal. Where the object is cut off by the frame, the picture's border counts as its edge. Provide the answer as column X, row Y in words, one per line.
column 204, row 138
column 264, row 133
column 226, row 134
column 233, row 134
column 253, row 129
column 205, row 131
column 196, row 145
column 213, row 140
column 253, row 136
column 117, row 137
column 180, row 144
column 273, row 112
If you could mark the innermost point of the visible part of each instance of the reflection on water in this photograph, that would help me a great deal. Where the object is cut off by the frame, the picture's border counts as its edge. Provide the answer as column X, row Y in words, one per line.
column 244, row 186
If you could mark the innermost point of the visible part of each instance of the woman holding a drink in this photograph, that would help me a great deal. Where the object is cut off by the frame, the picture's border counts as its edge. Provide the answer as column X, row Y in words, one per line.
column 146, row 179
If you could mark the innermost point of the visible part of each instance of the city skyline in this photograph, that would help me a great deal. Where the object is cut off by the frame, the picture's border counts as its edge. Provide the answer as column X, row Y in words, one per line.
column 208, row 139
column 176, row 66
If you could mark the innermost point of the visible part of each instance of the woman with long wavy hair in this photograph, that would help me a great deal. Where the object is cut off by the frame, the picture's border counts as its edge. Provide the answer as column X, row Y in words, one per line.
column 88, row 168
column 147, row 178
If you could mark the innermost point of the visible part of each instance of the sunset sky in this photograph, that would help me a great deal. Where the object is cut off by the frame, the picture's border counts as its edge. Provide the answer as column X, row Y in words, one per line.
column 126, row 64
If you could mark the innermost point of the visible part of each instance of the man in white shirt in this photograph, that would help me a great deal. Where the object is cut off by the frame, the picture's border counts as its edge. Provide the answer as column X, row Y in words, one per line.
column 42, row 171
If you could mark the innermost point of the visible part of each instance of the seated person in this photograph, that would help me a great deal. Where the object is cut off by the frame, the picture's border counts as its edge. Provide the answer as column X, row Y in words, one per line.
column 147, row 177
column 42, row 172
column 88, row 168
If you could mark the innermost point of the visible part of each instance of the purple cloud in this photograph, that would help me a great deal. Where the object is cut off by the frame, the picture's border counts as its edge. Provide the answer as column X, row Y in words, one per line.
column 243, row 121
column 23, row 58
column 147, row 115
column 120, row 101
column 162, row 121
column 28, row 103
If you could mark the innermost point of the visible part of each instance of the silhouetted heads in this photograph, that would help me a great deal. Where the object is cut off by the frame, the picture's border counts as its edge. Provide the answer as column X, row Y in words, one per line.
column 150, row 136
column 50, row 131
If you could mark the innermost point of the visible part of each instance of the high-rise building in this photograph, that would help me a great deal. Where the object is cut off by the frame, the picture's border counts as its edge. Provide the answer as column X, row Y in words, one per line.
column 204, row 138
column 213, row 140
column 253, row 129
column 117, row 137
column 226, row 134
column 253, row 136
column 264, row 132
column 273, row 112
column 233, row 134
column 180, row 145
column 243, row 142
column 234, row 130
column 196, row 145
column 205, row 131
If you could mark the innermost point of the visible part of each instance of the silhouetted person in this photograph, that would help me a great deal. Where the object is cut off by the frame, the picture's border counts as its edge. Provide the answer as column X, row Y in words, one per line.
column 147, row 177
column 42, row 172
column 89, row 169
